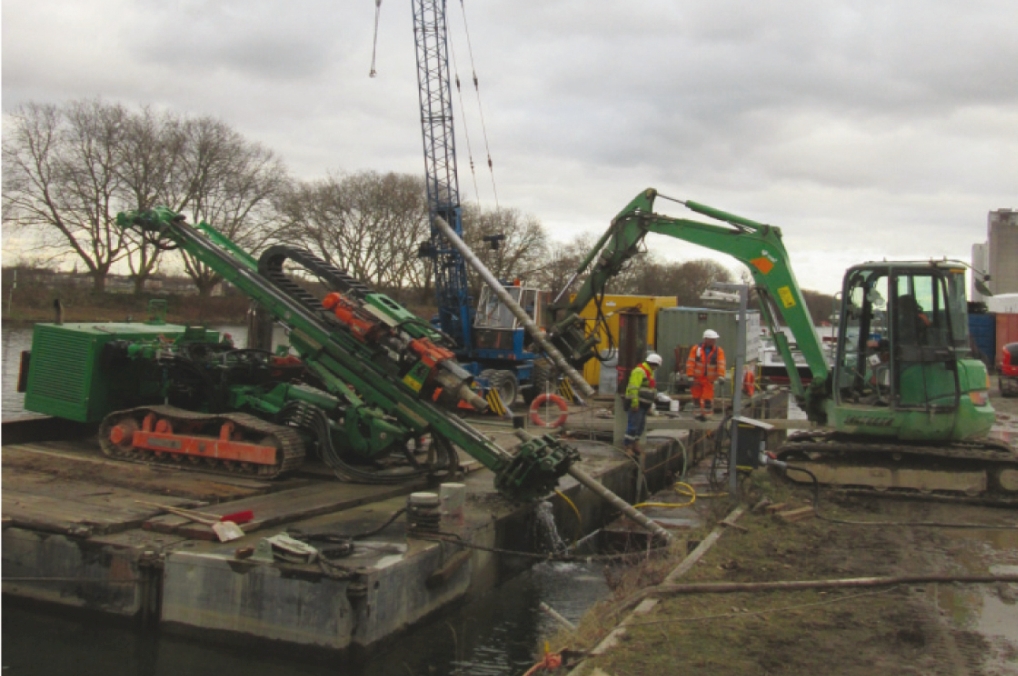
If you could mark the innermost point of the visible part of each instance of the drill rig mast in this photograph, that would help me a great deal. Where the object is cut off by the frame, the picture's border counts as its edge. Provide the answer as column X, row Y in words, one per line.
column 377, row 378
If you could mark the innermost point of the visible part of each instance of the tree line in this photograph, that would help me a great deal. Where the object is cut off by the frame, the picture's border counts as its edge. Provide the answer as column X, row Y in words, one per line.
column 68, row 170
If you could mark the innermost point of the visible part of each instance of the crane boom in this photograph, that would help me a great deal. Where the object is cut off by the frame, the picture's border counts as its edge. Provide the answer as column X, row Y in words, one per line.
column 455, row 310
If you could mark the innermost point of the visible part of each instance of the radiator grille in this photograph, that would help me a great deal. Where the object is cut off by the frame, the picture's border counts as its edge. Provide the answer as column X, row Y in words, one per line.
column 60, row 373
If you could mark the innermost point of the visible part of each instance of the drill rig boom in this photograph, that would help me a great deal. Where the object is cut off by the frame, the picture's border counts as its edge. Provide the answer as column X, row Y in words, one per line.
column 382, row 371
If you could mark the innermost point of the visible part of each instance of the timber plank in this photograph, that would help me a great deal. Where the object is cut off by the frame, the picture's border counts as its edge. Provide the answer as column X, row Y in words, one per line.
column 39, row 512
column 40, row 484
column 53, row 458
column 285, row 506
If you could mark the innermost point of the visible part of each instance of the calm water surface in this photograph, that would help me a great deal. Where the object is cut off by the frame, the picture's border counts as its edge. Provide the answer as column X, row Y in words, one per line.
column 496, row 635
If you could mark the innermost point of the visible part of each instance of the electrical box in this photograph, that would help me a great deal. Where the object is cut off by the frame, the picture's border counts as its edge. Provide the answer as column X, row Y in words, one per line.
column 750, row 441
column 68, row 376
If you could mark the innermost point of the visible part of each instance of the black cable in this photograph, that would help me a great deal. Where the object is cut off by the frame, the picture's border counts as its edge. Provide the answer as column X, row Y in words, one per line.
column 456, row 539
column 341, row 538
column 933, row 524
column 601, row 322
column 721, row 461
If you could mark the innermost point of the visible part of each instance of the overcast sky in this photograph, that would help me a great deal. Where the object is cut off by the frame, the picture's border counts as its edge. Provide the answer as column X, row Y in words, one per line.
column 866, row 130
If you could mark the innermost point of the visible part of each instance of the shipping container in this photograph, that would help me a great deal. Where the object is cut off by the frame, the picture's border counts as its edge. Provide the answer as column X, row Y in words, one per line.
column 680, row 328
column 1003, row 302
column 983, row 331
column 611, row 305
column 1007, row 332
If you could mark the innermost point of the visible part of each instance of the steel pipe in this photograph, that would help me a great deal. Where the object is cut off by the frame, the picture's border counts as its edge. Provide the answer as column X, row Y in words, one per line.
column 612, row 499
column 533, row 329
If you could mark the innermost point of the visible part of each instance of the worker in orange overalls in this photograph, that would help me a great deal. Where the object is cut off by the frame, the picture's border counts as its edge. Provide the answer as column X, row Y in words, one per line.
column 705, row 366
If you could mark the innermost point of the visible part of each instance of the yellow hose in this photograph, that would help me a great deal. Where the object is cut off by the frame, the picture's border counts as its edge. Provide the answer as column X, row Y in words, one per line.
column 686, row 490
column 579, row 519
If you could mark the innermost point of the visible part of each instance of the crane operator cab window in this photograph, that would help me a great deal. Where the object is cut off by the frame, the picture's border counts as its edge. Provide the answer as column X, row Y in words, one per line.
column 903, row 329
column 496, row 327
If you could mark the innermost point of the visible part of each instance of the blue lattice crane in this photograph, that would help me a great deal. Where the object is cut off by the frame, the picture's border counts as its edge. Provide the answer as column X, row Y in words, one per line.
column 455, row 310
column 491, row 342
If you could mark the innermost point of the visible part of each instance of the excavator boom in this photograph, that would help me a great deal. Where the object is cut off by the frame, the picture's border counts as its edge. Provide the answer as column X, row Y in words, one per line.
column 904, row 405
column 757, row 245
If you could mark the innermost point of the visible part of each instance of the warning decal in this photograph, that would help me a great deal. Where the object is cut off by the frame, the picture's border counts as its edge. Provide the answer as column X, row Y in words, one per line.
column 787, row 299
column 763, row 264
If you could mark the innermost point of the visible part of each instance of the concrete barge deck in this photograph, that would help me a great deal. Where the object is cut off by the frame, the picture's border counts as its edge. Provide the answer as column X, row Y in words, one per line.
column 80, row 530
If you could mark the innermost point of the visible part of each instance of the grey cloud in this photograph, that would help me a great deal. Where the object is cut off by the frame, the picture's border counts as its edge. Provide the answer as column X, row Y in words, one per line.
column 260, row 38
column 857, row 127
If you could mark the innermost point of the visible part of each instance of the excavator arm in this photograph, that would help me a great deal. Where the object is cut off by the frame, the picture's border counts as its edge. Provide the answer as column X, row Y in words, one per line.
column 758, row 246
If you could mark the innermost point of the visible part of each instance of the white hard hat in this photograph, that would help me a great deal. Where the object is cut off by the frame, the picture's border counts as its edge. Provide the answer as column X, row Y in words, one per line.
column 711, row 333
column 654, row 358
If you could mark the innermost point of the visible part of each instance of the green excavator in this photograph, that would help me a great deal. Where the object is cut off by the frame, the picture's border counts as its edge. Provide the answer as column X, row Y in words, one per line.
column 903, row 407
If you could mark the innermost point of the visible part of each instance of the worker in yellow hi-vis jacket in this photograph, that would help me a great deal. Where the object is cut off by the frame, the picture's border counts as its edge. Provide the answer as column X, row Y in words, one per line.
column 640, row 395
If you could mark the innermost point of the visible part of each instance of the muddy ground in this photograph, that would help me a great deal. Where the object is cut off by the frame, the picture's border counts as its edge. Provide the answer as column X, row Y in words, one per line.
column 940, row 628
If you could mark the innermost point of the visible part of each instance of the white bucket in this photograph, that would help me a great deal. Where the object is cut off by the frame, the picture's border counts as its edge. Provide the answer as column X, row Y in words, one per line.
column 673, row 406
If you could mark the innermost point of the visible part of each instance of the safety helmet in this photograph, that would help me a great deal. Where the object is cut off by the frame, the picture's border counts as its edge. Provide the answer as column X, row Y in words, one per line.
column 711, row 333
column 654, row 358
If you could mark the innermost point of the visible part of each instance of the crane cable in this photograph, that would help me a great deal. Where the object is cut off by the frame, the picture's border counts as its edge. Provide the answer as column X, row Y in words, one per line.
column 374, row 43
column 480, row 108
column 463, row 119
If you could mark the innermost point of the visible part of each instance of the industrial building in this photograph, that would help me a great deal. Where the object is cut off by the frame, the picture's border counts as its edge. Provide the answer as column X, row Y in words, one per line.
column 998, row 255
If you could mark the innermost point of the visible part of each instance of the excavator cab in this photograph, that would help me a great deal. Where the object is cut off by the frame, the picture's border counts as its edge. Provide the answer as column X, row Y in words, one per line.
column 903, row 363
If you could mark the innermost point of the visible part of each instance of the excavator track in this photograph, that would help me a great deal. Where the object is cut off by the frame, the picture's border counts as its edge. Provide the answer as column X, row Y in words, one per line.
column 984, row 472
column 202, row 429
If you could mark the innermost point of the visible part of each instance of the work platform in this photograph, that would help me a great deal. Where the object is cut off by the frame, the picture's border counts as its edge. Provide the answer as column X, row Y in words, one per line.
column 80, row 530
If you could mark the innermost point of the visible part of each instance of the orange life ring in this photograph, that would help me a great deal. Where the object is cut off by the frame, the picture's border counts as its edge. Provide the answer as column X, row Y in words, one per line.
column 555, row 399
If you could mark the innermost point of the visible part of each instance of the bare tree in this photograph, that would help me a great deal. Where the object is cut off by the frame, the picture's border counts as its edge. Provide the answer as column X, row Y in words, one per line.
column 227, row 181
column 560, row 263
column 686, row 281
column 61, row 181
column 152, row 146
column 367, row 223
column 68, row 171
column 509, row 243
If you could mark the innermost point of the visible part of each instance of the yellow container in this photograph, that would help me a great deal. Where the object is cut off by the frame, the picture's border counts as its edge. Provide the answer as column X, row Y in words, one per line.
column 611, row 306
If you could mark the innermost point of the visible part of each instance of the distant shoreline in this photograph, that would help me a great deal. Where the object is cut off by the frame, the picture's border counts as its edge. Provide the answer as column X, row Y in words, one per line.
column 185, row 310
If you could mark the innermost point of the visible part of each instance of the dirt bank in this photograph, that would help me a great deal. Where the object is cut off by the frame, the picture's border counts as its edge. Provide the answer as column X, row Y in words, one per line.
column 907, row 629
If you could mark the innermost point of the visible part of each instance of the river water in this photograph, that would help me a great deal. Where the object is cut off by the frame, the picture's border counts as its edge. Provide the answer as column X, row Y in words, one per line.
column 496, row 635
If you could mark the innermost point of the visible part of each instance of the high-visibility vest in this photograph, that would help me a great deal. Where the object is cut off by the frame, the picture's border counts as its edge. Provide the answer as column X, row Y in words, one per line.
column 642, row 373
column 706, row 363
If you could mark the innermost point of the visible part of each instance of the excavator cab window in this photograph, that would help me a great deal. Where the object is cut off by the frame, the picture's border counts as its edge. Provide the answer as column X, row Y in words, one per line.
column 903, row 329
column 492, row 313
column 928, row 336
column 863, row 354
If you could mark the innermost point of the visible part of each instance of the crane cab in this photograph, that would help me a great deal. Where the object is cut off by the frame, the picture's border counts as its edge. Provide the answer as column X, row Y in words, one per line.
column 904, row 367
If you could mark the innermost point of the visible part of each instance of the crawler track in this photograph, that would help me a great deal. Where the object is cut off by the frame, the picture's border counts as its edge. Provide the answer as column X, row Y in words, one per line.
column 980, row 472
column 289, row 444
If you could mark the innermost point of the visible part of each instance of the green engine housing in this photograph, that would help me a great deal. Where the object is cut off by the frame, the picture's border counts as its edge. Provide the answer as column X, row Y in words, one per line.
column 68, row 377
